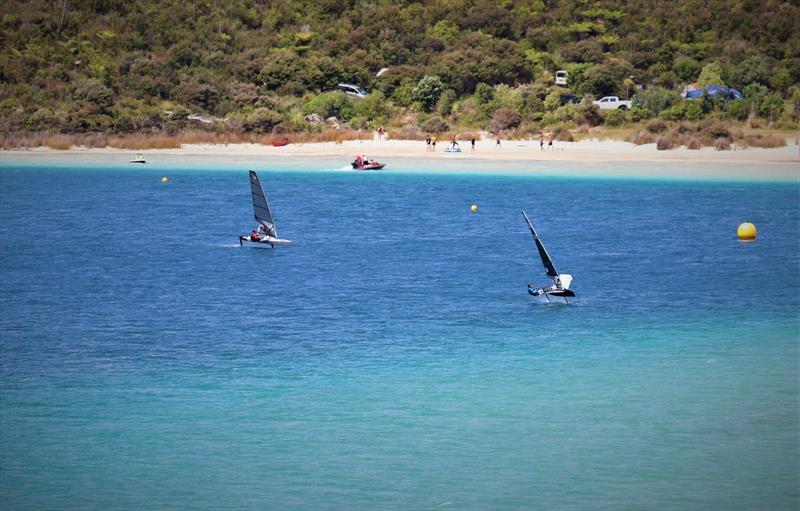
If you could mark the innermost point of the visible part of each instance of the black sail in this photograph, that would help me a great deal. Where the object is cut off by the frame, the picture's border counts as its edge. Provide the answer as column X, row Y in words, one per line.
column 546, row 261
column 260, row 205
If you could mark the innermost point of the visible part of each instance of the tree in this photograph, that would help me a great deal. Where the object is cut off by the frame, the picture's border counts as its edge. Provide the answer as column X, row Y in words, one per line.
column 446, row 101
column 552, row 101
column 95, row 93
column 686, row 68
column 711, row 75
column 484, row 93
column 751, row 70
column 782, row 79
column 427, row 91
column 770, row 106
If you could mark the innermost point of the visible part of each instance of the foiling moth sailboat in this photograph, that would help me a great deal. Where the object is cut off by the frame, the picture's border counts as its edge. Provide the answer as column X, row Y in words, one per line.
column 561, row 281
column 266, row 234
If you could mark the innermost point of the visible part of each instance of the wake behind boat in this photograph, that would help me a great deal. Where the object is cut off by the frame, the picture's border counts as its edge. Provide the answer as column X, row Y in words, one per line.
column 266, row 234
column 561, row 281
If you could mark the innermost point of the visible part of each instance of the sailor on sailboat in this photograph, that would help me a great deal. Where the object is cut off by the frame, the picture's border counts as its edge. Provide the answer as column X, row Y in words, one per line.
column 561, row 281
column 266, row 234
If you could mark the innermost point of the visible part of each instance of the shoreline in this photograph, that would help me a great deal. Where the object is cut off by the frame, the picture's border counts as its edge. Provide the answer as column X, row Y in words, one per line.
column 599, row 158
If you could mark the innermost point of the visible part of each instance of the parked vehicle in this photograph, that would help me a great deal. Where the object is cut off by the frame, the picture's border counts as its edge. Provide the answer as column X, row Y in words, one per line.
column 352, row 90
column 561, row 77
column 566, row 99
column 612, row 103
column 713, row 91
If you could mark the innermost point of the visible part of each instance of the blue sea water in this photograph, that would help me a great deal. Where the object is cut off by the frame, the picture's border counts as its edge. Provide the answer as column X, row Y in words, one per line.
column 392, row 358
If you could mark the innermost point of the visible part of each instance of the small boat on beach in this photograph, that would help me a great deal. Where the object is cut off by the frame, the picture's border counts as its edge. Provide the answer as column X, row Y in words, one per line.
column 266, row 234
column 451, row 149
column 561, row 281
column 138, row 159
column 361, row 163
column 280, row 142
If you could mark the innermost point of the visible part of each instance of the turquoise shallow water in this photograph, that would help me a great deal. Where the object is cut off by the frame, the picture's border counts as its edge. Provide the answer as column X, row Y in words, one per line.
column 392, row 358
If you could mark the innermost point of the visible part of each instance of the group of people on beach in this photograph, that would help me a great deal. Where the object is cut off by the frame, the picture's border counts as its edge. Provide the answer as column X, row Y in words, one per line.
column 549, row 141
column 430, row 142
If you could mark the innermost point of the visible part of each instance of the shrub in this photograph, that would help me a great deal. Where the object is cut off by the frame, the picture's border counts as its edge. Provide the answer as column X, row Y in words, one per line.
column 503, row 119
column 261, row 120
column 722, row 144
column 641, row 137
column 766, row 142
column 664, row 143
column 674, row 113
column 714, row 129
column 562, row 134
column 711, row 75
column 692, row 111
column 330, row 104
column 738, row 109
column 435, row 125
column 693, row 143
column 640, row 114
column 41, row 119
column 589, row 113
column 656, row 126
column 359, row 123
column 552, row 101
column 656, row 99
column 616, row 118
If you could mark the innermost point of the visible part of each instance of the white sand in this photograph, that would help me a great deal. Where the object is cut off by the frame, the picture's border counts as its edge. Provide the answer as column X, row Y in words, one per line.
column 596, row 157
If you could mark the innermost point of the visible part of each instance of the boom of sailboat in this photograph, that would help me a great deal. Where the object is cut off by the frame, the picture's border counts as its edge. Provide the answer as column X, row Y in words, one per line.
column 561, row 281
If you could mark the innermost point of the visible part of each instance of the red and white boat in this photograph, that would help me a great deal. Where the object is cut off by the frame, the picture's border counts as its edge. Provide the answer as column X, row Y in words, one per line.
column 360, row 163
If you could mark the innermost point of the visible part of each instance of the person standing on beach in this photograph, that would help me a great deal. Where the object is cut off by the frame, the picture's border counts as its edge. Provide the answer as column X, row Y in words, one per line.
column 497, row 143
column 541, row 141
column 380, row 132
column 472, row 142
column 428, row 143
column 550, row 141
column 433, row 144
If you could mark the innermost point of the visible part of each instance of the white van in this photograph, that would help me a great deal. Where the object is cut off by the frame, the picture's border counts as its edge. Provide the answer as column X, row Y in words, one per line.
column 352, row 90
column 561, row 77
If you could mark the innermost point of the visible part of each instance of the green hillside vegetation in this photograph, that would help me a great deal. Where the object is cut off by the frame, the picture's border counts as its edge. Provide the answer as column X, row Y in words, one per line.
column 244, row 68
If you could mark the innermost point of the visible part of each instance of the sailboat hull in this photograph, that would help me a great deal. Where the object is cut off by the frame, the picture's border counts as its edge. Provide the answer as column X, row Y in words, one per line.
column 561, row 293
column 265, row 242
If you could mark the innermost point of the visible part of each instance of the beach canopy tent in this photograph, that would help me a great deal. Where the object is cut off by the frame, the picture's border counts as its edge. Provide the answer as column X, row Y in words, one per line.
column 715, row 90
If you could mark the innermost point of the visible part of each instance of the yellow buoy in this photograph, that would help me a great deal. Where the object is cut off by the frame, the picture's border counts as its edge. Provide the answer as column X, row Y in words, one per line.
column 473, row 208
column 164, row 179
column 747, row 231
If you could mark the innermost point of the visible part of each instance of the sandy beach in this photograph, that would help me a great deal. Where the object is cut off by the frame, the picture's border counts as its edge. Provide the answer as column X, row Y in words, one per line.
column 593, row 157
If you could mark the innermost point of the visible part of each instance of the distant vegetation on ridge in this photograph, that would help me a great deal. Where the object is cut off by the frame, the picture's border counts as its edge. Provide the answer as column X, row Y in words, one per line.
column 250, row 67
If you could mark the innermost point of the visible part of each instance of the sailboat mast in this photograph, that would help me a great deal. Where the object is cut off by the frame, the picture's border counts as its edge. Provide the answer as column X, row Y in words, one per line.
column 547, row 261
